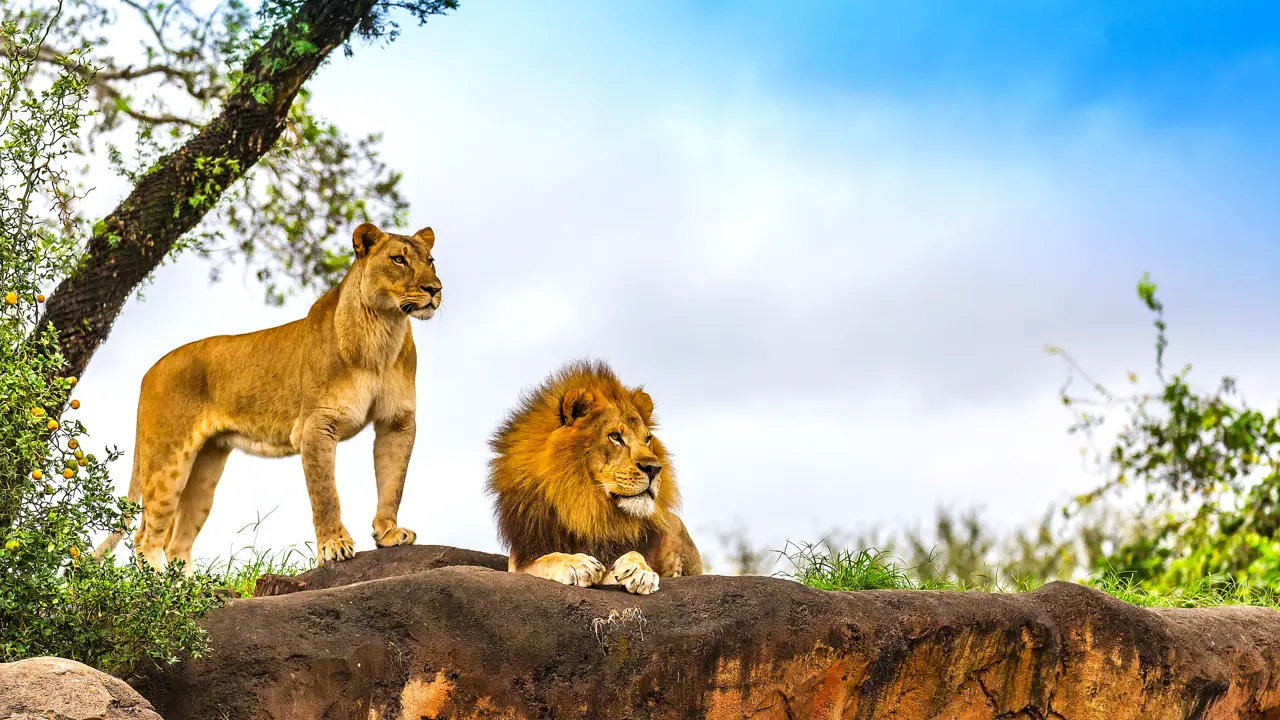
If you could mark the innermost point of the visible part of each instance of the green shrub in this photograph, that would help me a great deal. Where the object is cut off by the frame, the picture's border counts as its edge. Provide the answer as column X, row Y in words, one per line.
column 1210, row 468
column 54, row 599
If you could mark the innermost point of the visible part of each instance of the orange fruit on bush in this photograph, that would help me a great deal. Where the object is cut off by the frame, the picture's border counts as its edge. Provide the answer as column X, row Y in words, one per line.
column 11, row 297
column 73, row 444
column 36, row 474
column 75, row 404
column 68, row 473
column 53, row 425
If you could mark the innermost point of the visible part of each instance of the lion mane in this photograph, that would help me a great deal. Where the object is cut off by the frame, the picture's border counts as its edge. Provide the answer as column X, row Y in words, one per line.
column 545, row 499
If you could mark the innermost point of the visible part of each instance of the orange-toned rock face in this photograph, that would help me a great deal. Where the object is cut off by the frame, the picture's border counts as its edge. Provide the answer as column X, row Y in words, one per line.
column 471, row 642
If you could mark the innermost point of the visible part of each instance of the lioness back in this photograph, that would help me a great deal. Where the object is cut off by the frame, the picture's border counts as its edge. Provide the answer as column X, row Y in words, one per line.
column 249, row 382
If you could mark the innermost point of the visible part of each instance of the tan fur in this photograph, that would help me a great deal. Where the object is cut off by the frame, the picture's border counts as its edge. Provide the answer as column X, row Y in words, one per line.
column 584, row 492
column 300, row 388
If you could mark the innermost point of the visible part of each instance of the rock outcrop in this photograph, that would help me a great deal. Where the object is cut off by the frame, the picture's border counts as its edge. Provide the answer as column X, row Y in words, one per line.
column 386, row 562
column 47, row 687
column 472, row 642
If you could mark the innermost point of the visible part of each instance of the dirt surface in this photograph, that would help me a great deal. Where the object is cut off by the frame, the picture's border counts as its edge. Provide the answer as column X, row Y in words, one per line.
column 48, row 687
column 472, row 642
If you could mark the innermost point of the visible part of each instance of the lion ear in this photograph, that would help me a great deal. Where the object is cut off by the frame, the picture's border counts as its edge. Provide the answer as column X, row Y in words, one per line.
column 365, row 238
column 426, row 235
column 576, row 404
column 643, row 403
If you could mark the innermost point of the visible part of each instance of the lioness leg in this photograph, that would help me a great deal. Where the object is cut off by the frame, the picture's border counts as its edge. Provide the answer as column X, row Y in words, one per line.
column 392, row 446
column 197, row 500
column 164, row 469
column 580, row 569
column 319, row 443
column 632, row 572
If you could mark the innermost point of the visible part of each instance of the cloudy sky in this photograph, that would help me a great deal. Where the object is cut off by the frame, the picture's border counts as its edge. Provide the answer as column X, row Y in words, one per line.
column 832, row 239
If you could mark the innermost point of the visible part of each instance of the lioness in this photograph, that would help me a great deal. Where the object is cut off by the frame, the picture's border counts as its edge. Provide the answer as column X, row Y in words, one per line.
column 584, row 492
column 302, row 387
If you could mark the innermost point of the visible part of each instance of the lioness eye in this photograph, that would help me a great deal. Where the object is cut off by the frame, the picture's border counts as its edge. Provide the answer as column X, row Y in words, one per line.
column 399, row 260
column 616, row 437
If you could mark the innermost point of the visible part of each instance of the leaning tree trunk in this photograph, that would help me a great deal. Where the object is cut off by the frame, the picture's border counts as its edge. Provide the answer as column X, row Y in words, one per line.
column 172, row 198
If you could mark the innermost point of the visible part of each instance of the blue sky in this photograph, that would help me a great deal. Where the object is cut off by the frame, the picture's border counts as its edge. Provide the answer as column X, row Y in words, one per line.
column 1176, row 61
column 832, row 240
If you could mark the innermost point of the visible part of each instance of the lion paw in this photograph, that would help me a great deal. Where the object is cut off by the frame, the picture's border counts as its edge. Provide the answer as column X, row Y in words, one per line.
column 394, row 536
column 634, row 574
column 580, row 569
column 336, row 549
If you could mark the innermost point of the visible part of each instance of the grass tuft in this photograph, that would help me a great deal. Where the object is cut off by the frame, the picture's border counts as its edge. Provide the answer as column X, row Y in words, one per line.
column 825, row 568
column 242, row 566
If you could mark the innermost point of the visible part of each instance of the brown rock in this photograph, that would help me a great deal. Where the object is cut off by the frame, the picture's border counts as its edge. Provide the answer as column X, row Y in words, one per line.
column 377, row 564
column 469, row 642
column 48, row 687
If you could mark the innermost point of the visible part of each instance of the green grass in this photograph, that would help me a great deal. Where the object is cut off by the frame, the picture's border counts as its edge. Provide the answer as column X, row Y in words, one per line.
column 868, row 569
column 824, row 568
column 1206, row 592
column 243, row 565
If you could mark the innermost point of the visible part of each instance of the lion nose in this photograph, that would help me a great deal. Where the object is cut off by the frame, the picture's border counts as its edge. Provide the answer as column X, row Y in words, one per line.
column 431, row 290
column 650, row 470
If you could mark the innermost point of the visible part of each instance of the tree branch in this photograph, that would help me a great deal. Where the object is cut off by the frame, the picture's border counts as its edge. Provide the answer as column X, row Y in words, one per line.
column 185, row 184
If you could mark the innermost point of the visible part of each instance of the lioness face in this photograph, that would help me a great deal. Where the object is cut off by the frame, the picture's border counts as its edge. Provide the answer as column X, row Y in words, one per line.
column 622, row 453
column 400, row 273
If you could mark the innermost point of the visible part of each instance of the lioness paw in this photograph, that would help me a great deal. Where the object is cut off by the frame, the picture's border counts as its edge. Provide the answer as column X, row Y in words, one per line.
column 336, row 549
column 580, row 569
column 394, row 536
column 633, row 573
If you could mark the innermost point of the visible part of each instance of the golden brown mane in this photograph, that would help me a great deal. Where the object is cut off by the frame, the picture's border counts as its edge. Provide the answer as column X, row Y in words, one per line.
column 545, row 498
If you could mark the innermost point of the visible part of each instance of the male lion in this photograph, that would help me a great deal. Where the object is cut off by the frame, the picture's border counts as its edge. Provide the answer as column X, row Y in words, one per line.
column 302, row 388
column 581, row 484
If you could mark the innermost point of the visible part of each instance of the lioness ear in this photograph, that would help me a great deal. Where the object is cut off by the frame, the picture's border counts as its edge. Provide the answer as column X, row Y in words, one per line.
column 643, row 403
column 427, row 236
column 577, row 402
column 364, row 238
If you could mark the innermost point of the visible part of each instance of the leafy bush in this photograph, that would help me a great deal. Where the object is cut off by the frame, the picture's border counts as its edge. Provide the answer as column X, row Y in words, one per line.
column 54, row 599
column 1210, row 468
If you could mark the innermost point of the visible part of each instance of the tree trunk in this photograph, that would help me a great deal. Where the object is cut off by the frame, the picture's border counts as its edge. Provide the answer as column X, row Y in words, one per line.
column 186, row 184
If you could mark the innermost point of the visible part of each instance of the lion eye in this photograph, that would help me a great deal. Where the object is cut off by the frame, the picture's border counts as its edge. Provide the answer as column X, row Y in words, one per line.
column 399, row 260
column 431, row 261
column 616, row 437
column 648, row 439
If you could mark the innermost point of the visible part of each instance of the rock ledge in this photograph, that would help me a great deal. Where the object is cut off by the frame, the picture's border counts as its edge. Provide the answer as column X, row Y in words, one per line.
column 474, row 642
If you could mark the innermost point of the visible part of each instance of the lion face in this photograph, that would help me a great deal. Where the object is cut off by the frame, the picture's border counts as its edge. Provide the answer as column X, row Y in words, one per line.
column 622, row 457
column 399, row 273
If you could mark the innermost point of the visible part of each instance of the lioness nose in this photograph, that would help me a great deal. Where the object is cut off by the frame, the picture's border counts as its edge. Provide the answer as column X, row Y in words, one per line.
column 650, row 470
column 431, row 290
